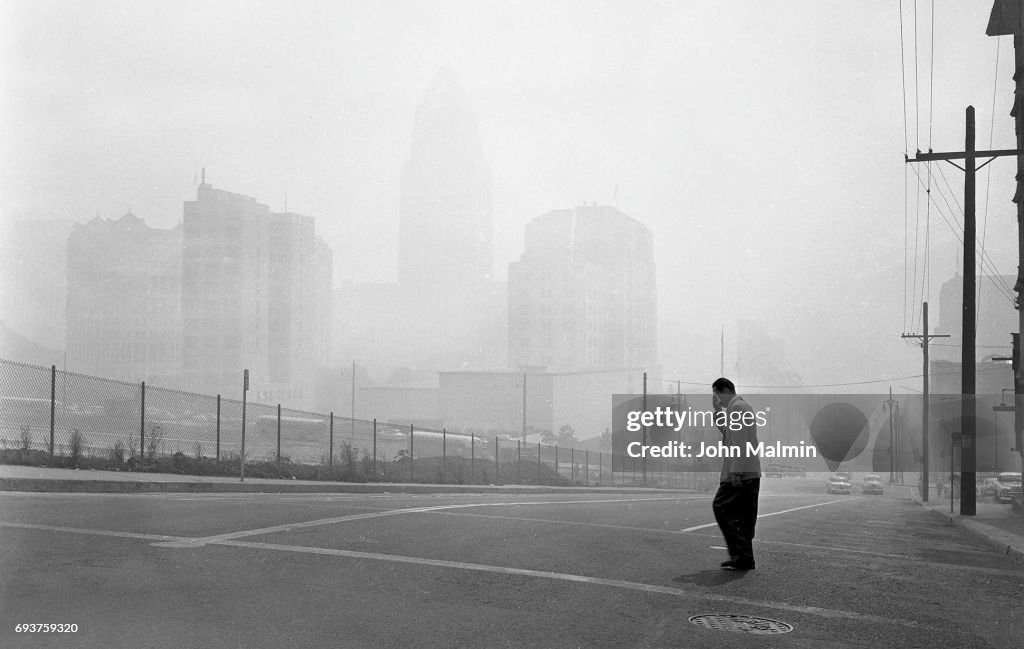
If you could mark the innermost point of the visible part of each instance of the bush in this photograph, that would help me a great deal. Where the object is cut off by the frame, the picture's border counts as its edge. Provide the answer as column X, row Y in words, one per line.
column 116, row 454
column 75, row 446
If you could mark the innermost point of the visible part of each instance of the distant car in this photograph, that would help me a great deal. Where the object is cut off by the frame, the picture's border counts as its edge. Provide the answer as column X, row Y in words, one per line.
column 1007, row 485
column 988, row 486
column 837, row 485
column 873, row 484
column 845, row 475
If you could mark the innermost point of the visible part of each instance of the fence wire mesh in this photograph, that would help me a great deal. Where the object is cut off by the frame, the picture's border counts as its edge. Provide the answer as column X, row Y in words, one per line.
column 74, row 419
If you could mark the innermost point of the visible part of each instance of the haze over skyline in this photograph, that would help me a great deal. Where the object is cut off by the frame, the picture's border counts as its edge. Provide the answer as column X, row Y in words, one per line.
column 761, row 142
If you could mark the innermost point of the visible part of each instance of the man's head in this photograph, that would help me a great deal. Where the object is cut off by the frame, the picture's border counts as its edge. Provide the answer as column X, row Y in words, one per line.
column 723, row 386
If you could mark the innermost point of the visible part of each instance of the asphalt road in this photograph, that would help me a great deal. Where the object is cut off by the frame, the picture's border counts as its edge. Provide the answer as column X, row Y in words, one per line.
column 486, row 570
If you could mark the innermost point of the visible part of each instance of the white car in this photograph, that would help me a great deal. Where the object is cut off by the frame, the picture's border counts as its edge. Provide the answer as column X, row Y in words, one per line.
column 1007, row 485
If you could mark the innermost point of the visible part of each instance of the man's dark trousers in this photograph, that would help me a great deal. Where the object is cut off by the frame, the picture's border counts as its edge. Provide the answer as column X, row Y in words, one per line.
column 736, row 512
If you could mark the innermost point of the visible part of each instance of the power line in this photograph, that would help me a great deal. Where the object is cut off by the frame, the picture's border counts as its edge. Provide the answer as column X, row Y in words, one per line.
column 917, row 83
column 988, row 176
column 826, row 385
column 983, row 255
column 994, row 272
column 906, row 177
column 931, row 79
column 1000, row 285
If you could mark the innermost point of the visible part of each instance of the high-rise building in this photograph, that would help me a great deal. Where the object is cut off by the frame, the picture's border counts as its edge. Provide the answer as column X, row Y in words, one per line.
column 761, row 357
column 445, row 311
column 299, row 300
column 256, row 295
column 583, row 294
column 34, row 280
column 996, row 318
column 446, row 229
column 124, row 299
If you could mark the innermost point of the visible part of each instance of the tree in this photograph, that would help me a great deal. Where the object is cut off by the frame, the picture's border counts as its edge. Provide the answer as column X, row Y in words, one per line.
column 606, row 440
column 547, row 437
column 566, row 436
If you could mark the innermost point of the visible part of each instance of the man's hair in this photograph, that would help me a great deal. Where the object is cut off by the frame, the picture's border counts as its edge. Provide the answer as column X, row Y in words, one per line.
column 724, row 385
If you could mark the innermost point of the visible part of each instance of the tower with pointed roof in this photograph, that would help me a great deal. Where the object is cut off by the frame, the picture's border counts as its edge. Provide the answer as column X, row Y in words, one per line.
column 445, row 223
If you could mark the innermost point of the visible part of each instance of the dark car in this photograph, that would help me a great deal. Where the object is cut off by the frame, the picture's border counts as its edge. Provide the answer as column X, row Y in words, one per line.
column 873, row 484
column 837, row 485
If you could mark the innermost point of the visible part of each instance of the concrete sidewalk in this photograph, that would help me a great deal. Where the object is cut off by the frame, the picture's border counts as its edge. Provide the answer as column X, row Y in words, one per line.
column 998, row 525
column 28, row 478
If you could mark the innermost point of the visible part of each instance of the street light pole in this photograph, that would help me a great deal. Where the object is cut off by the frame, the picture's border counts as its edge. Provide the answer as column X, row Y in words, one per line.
column 353, row 416
column 524, row 406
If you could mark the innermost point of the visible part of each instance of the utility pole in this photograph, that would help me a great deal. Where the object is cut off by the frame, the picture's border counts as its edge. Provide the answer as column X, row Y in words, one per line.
column 643, row 463
column 925, row 339
column 889, row 403
column 721, row 358
column 968, row 359
column 1007, row 18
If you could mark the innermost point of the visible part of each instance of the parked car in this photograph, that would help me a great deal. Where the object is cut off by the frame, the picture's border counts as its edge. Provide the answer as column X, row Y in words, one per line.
column 872, row 484
column 837, row 485
column 1008, row 484
column 988, row 486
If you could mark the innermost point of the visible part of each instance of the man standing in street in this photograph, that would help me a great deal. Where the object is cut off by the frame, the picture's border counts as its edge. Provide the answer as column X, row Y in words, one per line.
column 735, row 503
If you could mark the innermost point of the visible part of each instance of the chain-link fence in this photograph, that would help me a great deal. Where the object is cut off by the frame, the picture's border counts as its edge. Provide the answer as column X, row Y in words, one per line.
column 59, row 418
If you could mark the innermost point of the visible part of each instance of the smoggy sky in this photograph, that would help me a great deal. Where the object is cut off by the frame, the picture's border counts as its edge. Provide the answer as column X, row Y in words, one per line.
column 762, row 142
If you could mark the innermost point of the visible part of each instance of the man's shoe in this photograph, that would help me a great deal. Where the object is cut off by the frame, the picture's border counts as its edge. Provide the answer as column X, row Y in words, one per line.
column 744, row 563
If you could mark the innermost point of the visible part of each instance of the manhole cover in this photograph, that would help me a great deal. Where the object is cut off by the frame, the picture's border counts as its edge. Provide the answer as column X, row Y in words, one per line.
column 741, row 623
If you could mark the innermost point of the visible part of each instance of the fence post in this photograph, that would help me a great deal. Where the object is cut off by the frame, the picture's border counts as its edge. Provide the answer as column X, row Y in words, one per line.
column 557, row 472
column 245, row 397
column 444, row 452
column 218, row 428
column 142, row 424
column 496, row 480
column 412, row 435
column 330, row 443
column 572, row 465
column 600, row 467
column 586, row 467
column 375, row 447
column 538, row 463
column 279, row 440
column 472, row 457
column 519, row 461
column 53, row 404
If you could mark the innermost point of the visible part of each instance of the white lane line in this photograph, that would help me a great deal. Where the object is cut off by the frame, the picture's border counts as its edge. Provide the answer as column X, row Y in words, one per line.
column 554, row 522
column 821, row 548
column 785, row 511
column 288, row 527
column 582, row 579
column 83, row 530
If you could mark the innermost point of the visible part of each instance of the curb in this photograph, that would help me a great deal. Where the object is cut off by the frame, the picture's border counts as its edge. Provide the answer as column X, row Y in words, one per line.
column 987, row 533
column 131, row 486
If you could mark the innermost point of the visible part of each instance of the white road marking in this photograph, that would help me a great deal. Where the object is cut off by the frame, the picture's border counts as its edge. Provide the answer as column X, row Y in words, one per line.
column 288, row 527
column 785, row 511
column 579, row 523
column 582, row 579
column 82, row 530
